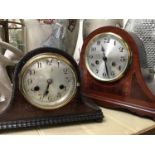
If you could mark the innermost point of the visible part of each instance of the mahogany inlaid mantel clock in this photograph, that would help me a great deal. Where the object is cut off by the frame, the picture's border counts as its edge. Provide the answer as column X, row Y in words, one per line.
column 112, row 65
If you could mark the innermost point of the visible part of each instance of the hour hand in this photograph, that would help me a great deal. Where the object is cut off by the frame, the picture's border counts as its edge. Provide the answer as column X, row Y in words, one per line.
column 105, row 60
column 103, row 50
column 106, row 69
column 49, row 82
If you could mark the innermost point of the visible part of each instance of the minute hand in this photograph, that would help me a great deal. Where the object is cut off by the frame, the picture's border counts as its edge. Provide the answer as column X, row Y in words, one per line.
column 105, row 60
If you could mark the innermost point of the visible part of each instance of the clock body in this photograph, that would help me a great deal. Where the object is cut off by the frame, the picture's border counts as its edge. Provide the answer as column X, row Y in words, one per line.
column 112, row 73
column 47, row 92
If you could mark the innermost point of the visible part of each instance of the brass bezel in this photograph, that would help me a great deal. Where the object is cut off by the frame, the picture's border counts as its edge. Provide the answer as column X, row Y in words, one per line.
column 32, row 61
column 128, row 63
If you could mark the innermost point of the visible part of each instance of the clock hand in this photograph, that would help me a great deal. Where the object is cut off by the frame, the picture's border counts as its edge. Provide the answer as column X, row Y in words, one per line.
column 105, row 60
column 103, row 50
column 106, row 68
column 49, row 82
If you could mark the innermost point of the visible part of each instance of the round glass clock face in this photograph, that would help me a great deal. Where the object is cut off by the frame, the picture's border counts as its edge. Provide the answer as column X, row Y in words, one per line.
column 107, row 57
column 48, row 81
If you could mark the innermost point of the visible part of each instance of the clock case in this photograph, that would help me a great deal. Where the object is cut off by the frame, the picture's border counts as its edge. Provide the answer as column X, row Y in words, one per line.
column 130, row 93
column 22, row 114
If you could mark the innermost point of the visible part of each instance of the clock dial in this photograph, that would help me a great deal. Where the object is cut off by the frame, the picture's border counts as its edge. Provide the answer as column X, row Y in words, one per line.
column 107, row 57
column 48, row 81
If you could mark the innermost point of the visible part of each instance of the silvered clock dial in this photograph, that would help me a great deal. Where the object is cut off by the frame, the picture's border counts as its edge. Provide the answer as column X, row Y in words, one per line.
column 48, row 81
column 107, row 57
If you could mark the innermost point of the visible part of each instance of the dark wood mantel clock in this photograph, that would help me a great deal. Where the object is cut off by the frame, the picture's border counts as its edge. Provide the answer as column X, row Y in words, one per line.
column 112, row 65
column 47, row 91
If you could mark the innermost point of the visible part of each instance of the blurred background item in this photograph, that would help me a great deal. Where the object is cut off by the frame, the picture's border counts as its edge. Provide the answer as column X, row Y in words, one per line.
column 57, row 33
column 144, row 29
column 12, row 48
column 12, row 35
column 90, row 25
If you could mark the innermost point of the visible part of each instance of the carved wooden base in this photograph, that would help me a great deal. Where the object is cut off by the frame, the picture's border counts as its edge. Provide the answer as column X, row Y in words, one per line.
column 22, row 115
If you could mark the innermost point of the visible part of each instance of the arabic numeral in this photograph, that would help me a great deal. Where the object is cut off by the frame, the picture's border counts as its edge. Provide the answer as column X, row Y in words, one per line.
column 120, row 68
column 92, row 65
column 50, row 98
column 29, row 81
column 106, row 40
column 31, row 72
column 68, row 79
column 98, row 42
column 112, row 73
column 58, row 63
column 49, row 62
column 121, row 49
column 114, row 42
column 59, row 95
column 66, row 70
column 122, row 59
column 39, row 64
column 90, row 56
column 104, row 74
column 93, row 49
column 40, row 96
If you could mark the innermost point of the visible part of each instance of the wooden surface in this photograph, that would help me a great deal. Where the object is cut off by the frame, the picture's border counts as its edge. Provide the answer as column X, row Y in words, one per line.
column 115, row 122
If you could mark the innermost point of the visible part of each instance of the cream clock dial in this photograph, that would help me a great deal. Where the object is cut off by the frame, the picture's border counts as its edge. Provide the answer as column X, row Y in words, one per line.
column 48, row 81
column 107, row 57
